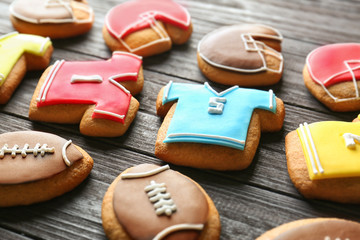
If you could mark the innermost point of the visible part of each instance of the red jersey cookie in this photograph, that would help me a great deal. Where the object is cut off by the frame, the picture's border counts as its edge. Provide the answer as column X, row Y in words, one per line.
column 147, row 202
column 331, row 74
column 39, row 165
column 90, row 93
column 146, row 27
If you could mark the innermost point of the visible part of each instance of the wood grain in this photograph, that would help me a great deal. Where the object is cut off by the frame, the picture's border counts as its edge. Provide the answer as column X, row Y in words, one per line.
column 249, row 201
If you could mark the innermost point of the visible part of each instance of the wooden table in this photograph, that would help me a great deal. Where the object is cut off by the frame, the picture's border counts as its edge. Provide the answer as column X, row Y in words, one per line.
column 250, row 201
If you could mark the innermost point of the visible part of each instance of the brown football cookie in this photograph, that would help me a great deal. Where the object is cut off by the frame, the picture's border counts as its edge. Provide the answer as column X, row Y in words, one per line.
column 206, row 129
column 52, row 18
column 90, row 93
column 37, row 166
column 244, row 55
column 152, row 202
column 20, row 53
column 323, row 160
column 146, row 27
column 332, row 74
column 314, row 229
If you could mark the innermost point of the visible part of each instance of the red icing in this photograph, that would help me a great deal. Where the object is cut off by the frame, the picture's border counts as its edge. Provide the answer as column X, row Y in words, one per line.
column 106, row 95
column 327, row 64
column 135, row 15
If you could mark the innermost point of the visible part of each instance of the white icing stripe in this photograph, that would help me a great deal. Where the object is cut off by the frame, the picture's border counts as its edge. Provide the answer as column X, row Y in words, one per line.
column 109, row 113
column 167, row 89
column 119, row 86
column 271, row 96
column 353, row 75
column 350, row 140
column 221, row 93
column 174, row 135
column 2, row 77
column 350, row 70
column 179, row 227
column 123, row 75
column 46, row 40
column 81, row 78
column 8, row 35
column 65, row 158
column 313, row 147
column 38, row 149
column 48, row 77
column 53, row 73
column 49, row 20
column 145, row 174
column 127, row 53
column 301, row 127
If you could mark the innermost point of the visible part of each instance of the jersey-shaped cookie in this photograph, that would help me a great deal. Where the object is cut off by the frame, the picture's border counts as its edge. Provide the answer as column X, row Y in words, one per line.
column 152, row 202
column 18, row 54
column 217, row 130
column 146, row 27
column 315, row 229
column 52, row 18
column 323, row 160
column 40, row 166
column 332, row 73
column 245, row 55
column 90, row 93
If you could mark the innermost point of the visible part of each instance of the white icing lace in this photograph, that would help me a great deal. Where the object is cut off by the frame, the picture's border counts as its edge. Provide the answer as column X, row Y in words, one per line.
column 162, row 201
column 38, row 149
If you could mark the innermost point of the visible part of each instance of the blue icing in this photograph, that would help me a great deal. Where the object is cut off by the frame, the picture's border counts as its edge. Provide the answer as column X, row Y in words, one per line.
column 192, row 121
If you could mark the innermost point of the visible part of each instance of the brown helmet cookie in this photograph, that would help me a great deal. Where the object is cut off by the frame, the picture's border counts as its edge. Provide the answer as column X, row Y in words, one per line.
column 323, row 160
column 91, row 93
column 146, row 27
column 52, row 18
column 152, row 202
column 217, row 130
column 20, row 53
column 40, row 166
column 315, row 229
column 331, row 74
column 245, row 55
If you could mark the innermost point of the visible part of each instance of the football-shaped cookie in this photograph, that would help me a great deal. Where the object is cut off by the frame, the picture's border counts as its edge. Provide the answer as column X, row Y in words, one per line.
column 40, row 166
column 152, row 202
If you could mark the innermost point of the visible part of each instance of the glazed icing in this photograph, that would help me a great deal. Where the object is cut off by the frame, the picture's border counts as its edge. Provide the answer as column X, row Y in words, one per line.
column 326, row 152
column 327, row 229
column 14, row 45
column 111, row 98
column 40, row 157
column 240, row 48
column 50, row 11
column 136, row 15
column 335, row 63
column 137, row 215
column 228, row 128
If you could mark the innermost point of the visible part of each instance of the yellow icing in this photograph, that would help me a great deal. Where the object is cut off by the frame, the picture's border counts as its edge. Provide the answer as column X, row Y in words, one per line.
column 13, row 46
column 335, row 157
